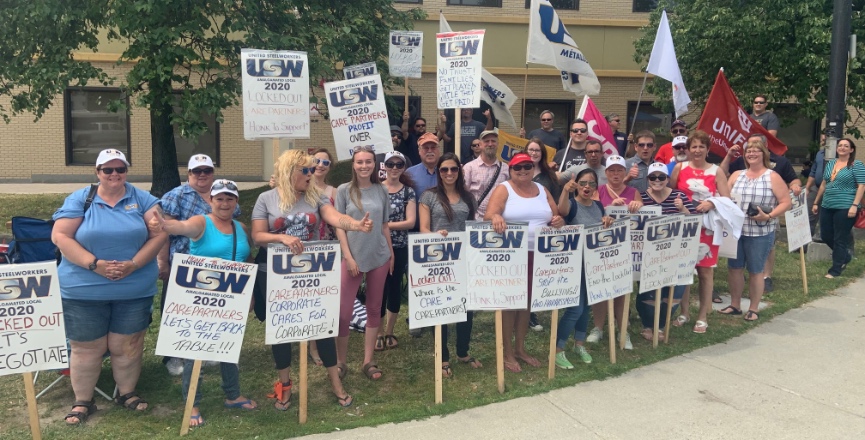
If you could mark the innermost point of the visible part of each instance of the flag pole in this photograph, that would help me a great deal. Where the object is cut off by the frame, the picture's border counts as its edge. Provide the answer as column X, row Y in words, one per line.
column 525, row 96
column 637, row 111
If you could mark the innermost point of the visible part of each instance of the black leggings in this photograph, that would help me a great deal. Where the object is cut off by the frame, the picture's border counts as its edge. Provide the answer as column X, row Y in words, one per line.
column 464, row 335
column 393, row 283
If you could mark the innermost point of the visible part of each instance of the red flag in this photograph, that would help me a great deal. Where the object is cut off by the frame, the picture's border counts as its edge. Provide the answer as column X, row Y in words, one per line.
column 728, row 124
column 599, row 129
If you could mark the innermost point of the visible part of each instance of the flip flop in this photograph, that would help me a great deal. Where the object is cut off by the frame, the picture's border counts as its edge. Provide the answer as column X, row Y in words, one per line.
column 471, row 361
column 198, row 419
column 346, row 401
column 681, row 320
column 242, row 405
column 529, row 360
column 700, row 326
column 447, row 371
column 730, row 310
column 513, row 367
column 751, row 316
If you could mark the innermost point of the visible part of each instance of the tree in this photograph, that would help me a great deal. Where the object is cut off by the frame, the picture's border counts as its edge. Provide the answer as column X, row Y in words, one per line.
column 186, row 46
column 776, row 47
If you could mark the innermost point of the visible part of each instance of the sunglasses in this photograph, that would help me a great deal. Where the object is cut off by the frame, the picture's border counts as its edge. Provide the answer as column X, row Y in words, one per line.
column 111, row 170
column 593, row 151
column 533, row 151
column 323, row 162
column 616, row 120
column 446, row 170
column 200, row 171
column 523, row 166
column 759, row 102
column 397, row 165
column 478, row 144
column 657, row 177
column 223, row 184
column 307, row 170
column 589, row 183
column 419, row 125
column 579, row 130
column 679, row 131
column 646, row 145
column 680, row 147
column 546, row 120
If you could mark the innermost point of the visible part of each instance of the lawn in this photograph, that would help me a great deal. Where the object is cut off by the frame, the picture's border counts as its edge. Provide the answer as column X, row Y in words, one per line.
column 406, row 392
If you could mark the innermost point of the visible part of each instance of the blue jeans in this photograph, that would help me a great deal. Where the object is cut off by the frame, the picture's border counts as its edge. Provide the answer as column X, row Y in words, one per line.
column 89, row 320
column 574, row 319
column 835, row 230
column 753, row 252
column 230, row 381
column 647, row 311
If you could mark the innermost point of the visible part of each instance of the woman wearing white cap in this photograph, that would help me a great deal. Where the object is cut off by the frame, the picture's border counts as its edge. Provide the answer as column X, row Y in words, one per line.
column 107, row 281
column 214, row 235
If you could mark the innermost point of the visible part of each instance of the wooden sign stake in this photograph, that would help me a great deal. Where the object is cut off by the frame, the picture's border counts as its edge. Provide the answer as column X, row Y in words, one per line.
column 438, row 363
column 500, row 353
column 804, row 271
column 624, row 333
column 611, row 329
column 669, row 315
column 190, row 396
column 554, row 325
column 32, row 411
column 656, row 330
column 304, row 390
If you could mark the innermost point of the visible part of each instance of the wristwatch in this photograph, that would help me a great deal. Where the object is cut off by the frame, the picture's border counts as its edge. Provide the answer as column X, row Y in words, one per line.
column 92, row 265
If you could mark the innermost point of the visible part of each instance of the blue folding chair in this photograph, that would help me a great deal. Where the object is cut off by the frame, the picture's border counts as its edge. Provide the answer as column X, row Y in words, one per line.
column 31, row 241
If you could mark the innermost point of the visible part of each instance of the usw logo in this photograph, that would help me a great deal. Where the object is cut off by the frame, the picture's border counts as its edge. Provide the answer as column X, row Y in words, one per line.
column 491, row 239
column 606, row 237
column 286, row 264
column 353, row 96
column 195, row 278
column 426, row 253
column 558, row 243
column 25, row 288
column 661, row 232
column 402, row 40
column 459, row 48
column 274, row 68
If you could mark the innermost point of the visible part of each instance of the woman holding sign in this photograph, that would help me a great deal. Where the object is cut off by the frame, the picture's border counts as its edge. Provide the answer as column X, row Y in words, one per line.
column 519, row 199
column 214, row 235
column 446, row 207
column 291, row 214
column 671, row 201
column 370, row 254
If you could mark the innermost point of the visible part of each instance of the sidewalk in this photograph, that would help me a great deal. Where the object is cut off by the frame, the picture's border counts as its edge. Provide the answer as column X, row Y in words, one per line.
column 67, row 188
column 799, row 376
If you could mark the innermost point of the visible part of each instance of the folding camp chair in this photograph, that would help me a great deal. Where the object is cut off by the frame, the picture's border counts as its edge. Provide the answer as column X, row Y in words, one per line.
column 31, row 241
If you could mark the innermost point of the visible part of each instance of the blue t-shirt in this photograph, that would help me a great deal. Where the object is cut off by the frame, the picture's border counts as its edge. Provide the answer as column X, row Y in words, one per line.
column 215, row 243
column 422, row 178
column 116, row 233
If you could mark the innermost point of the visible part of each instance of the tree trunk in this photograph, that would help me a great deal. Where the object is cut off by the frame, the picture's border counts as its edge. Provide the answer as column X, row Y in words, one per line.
column 165, row 176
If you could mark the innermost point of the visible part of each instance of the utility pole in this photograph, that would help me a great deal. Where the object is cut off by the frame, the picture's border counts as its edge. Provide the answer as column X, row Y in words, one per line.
column 836, row 102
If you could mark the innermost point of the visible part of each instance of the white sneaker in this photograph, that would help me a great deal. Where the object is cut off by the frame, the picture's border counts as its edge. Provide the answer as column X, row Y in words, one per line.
column 210, row 364
column 595, row 336
column 628, row 345
column 174, row 366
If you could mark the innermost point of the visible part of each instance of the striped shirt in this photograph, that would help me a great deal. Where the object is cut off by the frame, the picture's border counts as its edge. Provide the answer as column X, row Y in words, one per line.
column 667, row 205
column 478, row 176
column 841, row 190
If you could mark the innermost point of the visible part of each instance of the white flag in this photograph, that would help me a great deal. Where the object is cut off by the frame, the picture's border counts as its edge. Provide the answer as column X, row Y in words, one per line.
column 663, row 63
column 551, row 44
column 493, row 91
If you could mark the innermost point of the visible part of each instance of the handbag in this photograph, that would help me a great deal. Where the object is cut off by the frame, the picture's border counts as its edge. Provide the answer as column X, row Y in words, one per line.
column 860, row 219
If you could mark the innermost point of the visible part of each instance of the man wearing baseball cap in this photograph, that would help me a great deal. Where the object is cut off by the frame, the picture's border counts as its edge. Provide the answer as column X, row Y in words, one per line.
column 182, row 203
column 665, row 153
column 402, row 146
column 680, row 152
column 483, row 174
column 424, row 174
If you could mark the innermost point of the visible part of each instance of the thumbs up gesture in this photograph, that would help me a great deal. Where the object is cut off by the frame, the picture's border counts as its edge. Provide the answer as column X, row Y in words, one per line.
column 156, row 223
column 634, row 172
column 678, row 203
column 365, row 224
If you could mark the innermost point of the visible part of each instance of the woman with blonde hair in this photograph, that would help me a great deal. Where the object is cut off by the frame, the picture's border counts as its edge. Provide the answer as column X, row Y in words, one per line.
column 291, row 214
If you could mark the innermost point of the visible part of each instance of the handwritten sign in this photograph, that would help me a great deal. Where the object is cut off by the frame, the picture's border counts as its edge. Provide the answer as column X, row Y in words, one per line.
column 662, row 252
column 558, row 268
column 638, row 221
column 275, row 94
column 437, row 279
column 608, row 261
column 498, row 267
column 32, row 335
column 303, row 292
column 206, row 309
column 359, row 70
column 691, row 225
column 358, row 115
column 459, row 69
column 406, row 53
column 796, row 220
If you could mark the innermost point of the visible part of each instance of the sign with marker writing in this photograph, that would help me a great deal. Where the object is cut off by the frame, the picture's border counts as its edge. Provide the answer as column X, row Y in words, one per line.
column 558, row 268
column 458, row 82
column 638, row 221
column 275, row 94
column 303, row 292
column 206, row 308
column 498, row 267
column 607, row 259
column 358, row 115
column 691, row 226
column 662, row 253
column 406, row 53
column 359, row 70
column 437, row 279
column 32, row 335
column 796, row 219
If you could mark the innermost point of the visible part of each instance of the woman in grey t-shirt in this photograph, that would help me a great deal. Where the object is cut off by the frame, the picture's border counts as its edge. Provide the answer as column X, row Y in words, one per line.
column 370, row 254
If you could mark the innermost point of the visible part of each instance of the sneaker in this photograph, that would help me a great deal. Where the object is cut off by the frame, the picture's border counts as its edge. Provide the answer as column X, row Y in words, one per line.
column 628, row 345
column 583, row 354
column 174, row 366
column 768, row 286
column 595, row 336
column 534, row 324
column 563, row 362
column 210, row 364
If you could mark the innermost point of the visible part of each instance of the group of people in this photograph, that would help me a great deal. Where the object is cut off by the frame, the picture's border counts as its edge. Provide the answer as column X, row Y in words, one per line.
column 108, row 285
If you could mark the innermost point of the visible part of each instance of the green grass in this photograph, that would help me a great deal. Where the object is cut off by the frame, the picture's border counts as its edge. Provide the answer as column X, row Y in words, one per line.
column 406, row 392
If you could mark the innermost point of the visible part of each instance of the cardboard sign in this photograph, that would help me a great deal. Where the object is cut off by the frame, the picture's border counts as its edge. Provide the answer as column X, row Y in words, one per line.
column 459, row 69
column 797, row 223
column 498, row 267
column 275, row 94
column 691, row 226
column 437, row 279
column 303, row 292
column 406, row 53
column 32, row 335
column 608, row 261
column 360, row 70
column 206, row 308
column 638, row 221
column 358, row 115
column 558, row 268
column 662, row 253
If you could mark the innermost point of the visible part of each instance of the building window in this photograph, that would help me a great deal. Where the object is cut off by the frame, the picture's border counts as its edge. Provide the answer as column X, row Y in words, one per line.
column 560, row 4
column 489, row 3
column 650, row 118
column 645, row 5
column 91, row 127
column 419, row 2
column 207, row 143
column 798, row 136
column 563, row 111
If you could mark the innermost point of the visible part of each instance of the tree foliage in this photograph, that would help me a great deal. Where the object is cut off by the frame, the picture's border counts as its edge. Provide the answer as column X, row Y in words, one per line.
column 186, row 46
column 775, row 47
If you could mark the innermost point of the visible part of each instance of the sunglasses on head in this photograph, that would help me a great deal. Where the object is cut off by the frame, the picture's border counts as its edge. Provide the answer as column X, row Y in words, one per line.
column 111, row 170
column 646, row 145
column 657, row 177
column 445, row 170
column 523, row 166
column 589, row 183
column 397, row 165
column 200, row 171
column 222, row 184
column 323, row 162
column 579, row 130
column 679, row 131
column 307, row 170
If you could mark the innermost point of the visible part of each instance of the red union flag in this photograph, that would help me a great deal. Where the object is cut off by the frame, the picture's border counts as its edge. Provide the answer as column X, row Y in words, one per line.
column 599, row 129
column 728, row 124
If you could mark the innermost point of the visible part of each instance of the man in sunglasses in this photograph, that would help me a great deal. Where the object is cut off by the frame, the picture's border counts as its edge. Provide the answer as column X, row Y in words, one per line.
column 665, row 152
column 410, row 136
column 638, row 165
column 621, row 139
column 483, row 174
column 680, row 153
column 547, row 134
column 766, row 118
column 594, row 160
column 182, row 203
column 575, row 154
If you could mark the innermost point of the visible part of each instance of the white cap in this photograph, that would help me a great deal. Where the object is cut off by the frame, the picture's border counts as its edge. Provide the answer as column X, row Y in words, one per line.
column 110, row 154
column 616, row 160
column 397, row 154
column 224, row 186
column 658, row 167
column 200, row 160
column 680, row 140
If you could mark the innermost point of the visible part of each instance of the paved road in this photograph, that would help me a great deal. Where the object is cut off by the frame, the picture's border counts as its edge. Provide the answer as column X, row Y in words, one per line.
column 799, row 376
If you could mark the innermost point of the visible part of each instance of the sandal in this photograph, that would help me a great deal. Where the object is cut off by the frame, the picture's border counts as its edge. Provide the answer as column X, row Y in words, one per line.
column 391, row 341
column 681, row 320
column 370, row 370
column 343, row 370
column 513, row 367
column 134, row 405
column 471, row 361
column 447, row 371
column 247, row 405
column 700, row 326
column 346, row 401
column 716, row 297
column 649, row 334
column 81, row 416
column 379, row 343
column 198, row 421
column 751, row 316
column 730, row 310
column 280, row 390
column 529, row 360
